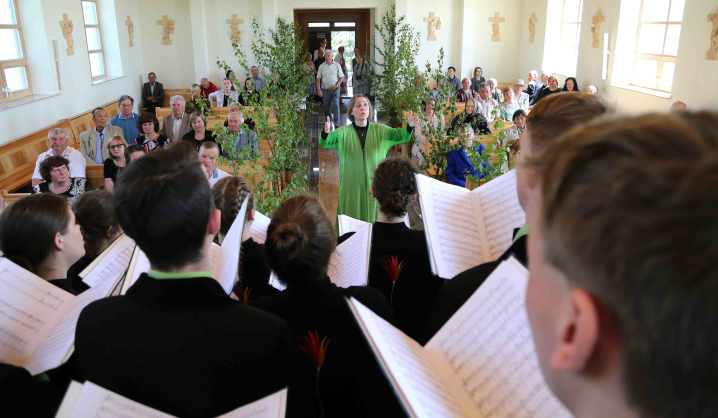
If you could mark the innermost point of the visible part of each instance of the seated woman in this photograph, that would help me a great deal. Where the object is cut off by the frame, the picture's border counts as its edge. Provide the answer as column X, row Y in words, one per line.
column 197, row 102
column 459, row 164
column 58, row 181
column 436, row 122
column 510, row 105
column 229, row 195
column 115, row 163
column 151, row 139
column 250, row 96
column 134, row 152
column 199, row 133
column 571, row 85
column 552, row 89
column 95, row 213
column 224, row 96
column 300, row 241
column 515, row 131
column 39, row 233
column 477, row 121
column 464, row 94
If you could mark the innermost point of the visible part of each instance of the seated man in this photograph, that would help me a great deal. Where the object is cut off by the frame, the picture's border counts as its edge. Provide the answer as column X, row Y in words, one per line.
column 207, row 87
column 623, row 285
column 208, row 154
column 92, row 141
column 197, row 102
column 534, row 84
column 58, row 147
column 234, row 107
column 153, row 93
column 486, row 104
column 176, row 125
column 242, row 138
column 127, row 119
column 176, row 341
column 453, row 80
column 678, row 107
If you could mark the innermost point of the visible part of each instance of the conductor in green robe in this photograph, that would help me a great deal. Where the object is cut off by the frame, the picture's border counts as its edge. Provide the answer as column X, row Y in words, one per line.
column 361, row 147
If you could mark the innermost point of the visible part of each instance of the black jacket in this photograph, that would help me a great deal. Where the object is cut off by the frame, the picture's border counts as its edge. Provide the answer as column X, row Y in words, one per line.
column 159, row 93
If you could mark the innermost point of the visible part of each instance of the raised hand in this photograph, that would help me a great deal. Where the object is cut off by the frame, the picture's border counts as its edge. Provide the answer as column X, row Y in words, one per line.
column 328, row 125
column 413, row 120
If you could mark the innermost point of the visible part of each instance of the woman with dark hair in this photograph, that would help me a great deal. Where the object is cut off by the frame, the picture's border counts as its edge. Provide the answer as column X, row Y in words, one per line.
column 58, row 181
column 40, row 234
column 518, row 128
column 134, row 152
column 571, row 85
column 250, row 96
column 477, row 79
column 348, row 380
column 199, row 133
column 95, row 213
column 225, row 96
column 151, row 139
column 229, row 195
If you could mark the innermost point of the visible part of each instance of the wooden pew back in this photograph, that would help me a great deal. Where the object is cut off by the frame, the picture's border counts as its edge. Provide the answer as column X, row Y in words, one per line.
column 11, row 198
column 186, row 93
column 95, row 175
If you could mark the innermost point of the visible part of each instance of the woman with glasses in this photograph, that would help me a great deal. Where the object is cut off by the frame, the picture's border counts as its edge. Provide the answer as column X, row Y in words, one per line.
column 115, row 163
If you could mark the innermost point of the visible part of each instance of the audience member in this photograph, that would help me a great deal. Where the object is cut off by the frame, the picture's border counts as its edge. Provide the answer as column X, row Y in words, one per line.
column 465, row 93
column 58, row 147
column 115, row 163
column 571, row 85
column 258, row 81
column 127, row 119
column 494, row 91
column 310, row 74
column 95, row 213
column 199, row 133
column 134, row 152
column 322, row 49
column 197, row 102
column 225, row 96
column 521, row 97
column 176, row 125
column 150, row 139
column 678, row 107
column 619, row 299
column 477, row 79
column 486, row 105
column 243, row 139
column 207, row 87
column 40, row 234
column 208, row 155
column 472, row 117
column 552, row 89
column 92, row 141
column 58, row 181
column 300, row 242
column 229, row 195
column 510, row 105
column 234, row 107
column 458, row 164
column 250, row 96
column 342, row 63
column 455, row 84
column 534, row 84
column 329, row 78
column 361, row 83
column 191, row 337
column 153, row 93
column 319, row 60
column 436, row 121
column 592, row 89
column 512, row 148
column 357, row 52
column 517, row 129
column 544, row 86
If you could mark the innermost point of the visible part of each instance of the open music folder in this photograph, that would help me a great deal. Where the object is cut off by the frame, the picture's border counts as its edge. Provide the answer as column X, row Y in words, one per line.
column 465, row 228
column 111, row 264
column 258, row 229
column 224, row 259
column 482, row 363
column 349, row 263
column 38, row 319
column 90, row 400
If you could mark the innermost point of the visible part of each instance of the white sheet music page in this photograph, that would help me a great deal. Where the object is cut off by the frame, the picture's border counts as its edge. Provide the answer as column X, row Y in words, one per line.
column 113, row 263
column 275, row 283
column 142, row 265
column 418, row 384
column 29, row 309
column 229, row 261
column 258, row 229
column 55, row 347
column 501, row 212
column 451, row 227
column 348, row 224
column 272, row 406
column 98, row 402
column 349, row 264
column 486, row 354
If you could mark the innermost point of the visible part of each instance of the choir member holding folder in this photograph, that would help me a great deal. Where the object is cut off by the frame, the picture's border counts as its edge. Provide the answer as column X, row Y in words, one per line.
column 346, row 379
column 40, row 234
column 176, row 341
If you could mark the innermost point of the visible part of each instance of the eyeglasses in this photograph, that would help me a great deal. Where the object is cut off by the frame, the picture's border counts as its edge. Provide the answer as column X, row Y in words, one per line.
column 116, row 146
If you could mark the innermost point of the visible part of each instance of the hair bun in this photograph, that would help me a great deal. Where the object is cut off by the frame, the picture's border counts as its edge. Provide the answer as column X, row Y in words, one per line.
column 288, row 238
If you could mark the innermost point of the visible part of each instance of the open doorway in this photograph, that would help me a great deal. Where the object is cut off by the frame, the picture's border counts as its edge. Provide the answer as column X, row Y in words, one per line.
column 347, row 39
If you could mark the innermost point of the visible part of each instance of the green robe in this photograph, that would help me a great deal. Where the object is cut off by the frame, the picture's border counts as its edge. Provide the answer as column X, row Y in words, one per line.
column 357, row 166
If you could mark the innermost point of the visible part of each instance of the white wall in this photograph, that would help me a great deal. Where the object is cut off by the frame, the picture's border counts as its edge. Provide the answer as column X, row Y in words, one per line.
column 40, row 19
column 449, row 36
column 499, row 60
column 531, row 54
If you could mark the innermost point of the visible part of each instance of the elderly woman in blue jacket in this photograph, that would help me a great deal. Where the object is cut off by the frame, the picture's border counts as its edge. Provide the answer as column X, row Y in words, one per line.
column 458, row 163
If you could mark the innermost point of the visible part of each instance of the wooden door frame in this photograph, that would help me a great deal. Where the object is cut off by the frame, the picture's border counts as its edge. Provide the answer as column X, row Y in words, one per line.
column 302, row 17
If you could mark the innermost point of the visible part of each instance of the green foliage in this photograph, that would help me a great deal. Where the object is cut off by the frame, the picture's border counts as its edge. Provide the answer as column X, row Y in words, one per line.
column 491, row 164
column 397, row 85
column 279, row 55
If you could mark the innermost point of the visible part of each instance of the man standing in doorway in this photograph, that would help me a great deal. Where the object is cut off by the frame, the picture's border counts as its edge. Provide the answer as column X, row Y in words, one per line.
column 329, row 78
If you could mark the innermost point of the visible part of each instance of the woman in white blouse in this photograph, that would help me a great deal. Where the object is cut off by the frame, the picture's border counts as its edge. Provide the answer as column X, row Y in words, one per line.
column 222, row 97
column 421, row 142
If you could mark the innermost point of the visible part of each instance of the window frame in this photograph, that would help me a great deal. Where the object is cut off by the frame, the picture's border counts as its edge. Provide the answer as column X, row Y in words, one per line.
column 661, row 59
column 565, row 22
column 102, row 76
column 22, row 62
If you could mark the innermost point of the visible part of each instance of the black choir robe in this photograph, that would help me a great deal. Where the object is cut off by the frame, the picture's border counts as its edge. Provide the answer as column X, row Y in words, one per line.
column 253, row 272
column 351, row 382
column 21, row 395
column 184, row 347
column 73, row 284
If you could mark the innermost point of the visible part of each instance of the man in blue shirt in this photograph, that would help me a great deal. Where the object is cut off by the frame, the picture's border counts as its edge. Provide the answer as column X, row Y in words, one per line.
column 258, row 81
column 127, row 119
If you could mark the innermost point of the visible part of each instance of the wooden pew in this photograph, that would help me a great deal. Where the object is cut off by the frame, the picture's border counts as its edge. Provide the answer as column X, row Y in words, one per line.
column 95, row 175
column 11, row 198
column 186, row 93
column 83, row 122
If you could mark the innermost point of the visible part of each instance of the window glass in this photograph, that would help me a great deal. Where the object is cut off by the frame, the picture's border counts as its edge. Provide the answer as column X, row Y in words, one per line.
column 7, row 13
column 97, row 67
column 89, row 11
column 16, row 78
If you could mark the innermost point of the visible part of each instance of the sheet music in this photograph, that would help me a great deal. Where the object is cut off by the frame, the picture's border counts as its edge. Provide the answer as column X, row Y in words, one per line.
column 142, row 265
column 98, row 402
column 451, row 227
column 486, row 353
column 229, row 261
column 258, row 229
column 501, row 211
column 349, row 264
column 348, row 224
column 275, row 283
column 272, row 406
column 29, row 309
column 54, row 348
column 113, row 264
column 418, row 384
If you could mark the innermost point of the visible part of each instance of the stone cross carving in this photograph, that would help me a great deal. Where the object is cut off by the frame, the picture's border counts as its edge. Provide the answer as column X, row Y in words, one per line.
column 66, row 26
column 169, row 27
column 234, row 22
column 596, row 29
column 434, row 24
column 130, row 30
column 496, row 37
column 712, row 53
column 532, row 27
